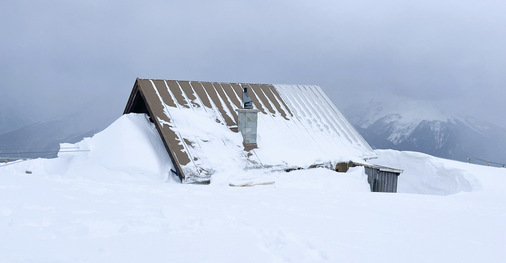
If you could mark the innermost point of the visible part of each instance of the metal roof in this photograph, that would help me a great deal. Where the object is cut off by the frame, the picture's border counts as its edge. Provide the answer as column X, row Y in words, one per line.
column 298, row 121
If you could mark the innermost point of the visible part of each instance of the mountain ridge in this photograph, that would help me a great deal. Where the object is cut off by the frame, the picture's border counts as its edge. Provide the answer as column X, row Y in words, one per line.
column 424, row 127
column 42, row 139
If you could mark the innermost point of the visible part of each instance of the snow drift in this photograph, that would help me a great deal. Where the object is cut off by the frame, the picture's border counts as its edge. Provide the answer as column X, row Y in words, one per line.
column 128, row 147
column 425, row 174
column 112, row 202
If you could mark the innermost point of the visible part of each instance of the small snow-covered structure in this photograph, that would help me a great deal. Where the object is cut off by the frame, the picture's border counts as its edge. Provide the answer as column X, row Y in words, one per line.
column 298, row 126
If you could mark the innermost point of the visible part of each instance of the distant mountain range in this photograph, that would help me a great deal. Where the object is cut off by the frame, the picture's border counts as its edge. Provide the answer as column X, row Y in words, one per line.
column 10, row 122
column 21, row 138
column 43, row 138
column 421, row 127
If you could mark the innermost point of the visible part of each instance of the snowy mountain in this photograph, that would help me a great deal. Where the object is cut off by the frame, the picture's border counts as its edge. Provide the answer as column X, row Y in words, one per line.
column 422, row 127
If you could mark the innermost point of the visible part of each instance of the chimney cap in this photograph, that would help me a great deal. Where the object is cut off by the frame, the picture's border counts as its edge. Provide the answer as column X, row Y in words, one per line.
column 247, row 103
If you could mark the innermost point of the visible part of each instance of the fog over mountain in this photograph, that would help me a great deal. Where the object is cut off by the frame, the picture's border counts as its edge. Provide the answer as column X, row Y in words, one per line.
column 42, row 139
column 59, row 57
column 10, row 122
column 403, row 124
column 21, row 138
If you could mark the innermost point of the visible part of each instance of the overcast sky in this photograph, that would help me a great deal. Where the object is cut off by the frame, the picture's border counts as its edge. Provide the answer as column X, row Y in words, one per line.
column 58, row 57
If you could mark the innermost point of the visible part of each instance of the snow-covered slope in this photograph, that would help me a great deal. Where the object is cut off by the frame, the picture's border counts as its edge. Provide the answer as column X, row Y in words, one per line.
column 130, row 146
column 116, row 203
column 425, row 174
column 423, row 127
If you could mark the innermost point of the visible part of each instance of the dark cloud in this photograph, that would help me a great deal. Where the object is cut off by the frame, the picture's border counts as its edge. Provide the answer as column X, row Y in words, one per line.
column 60, row 56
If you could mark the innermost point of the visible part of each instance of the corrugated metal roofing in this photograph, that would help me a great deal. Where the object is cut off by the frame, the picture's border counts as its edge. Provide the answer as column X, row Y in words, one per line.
column 298, row 125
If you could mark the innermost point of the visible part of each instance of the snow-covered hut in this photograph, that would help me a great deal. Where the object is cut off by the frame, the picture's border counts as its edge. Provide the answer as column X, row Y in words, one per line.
column 297, row 126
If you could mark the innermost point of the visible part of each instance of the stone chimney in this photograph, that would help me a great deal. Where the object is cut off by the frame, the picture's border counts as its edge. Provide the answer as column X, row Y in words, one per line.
column 247, row 122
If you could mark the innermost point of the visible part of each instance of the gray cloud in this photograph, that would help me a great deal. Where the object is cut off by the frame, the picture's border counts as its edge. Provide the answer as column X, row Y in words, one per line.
column 61, row 56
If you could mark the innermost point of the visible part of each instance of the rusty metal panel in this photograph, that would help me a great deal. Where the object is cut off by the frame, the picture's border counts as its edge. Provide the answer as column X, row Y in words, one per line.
column 217, row 105
column 257, row 90
column 201, row 94
column 228, row 106
column 161, row 87
column 177, row 92
column 270, row 92
column 232, row 95
column 238, row 91
column 155, row 106
column 188, row 93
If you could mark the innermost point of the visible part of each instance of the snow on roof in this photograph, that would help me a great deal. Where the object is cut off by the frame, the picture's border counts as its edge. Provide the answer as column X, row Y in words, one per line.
column 298, row 126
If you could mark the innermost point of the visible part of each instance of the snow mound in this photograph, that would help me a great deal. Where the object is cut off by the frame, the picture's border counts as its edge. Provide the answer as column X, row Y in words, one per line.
column 131, row 143
column 425, row 174
column 102, row 205
column 129, row 147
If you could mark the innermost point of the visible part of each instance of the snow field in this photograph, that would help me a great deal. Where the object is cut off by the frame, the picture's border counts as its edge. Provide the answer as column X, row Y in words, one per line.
column 118, row 204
